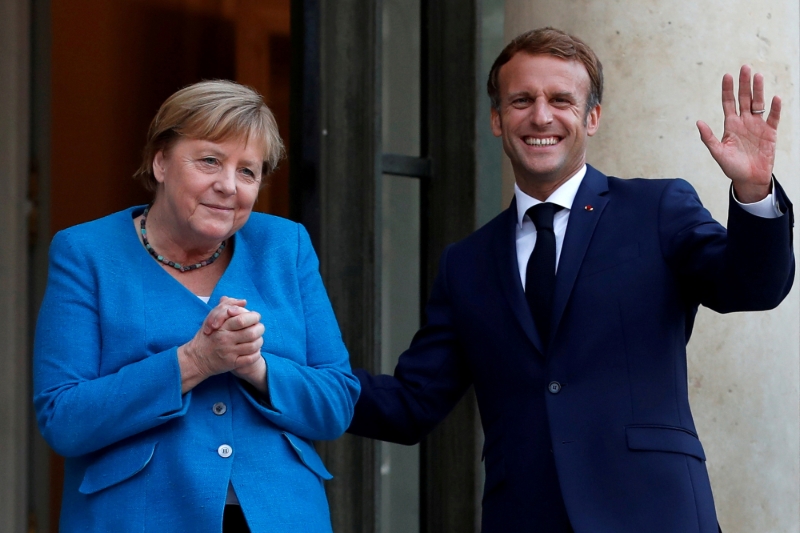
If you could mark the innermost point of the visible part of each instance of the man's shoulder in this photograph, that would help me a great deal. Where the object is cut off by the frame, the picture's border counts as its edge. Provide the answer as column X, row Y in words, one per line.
column 492, row 230
column 640, row 190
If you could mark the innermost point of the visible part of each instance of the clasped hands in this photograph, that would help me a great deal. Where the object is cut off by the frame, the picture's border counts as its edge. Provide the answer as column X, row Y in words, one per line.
column 746, row 152
column 229, row 340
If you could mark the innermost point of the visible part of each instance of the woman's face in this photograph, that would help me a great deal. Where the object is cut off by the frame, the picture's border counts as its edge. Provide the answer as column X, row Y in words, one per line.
column 208, row 188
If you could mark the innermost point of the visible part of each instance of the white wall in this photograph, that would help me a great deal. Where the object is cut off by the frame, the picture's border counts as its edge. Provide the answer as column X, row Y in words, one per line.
column 663, row 63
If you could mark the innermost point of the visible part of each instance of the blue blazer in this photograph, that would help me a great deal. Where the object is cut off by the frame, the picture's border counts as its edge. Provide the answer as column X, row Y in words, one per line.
column 608, row 400
column 140, row 456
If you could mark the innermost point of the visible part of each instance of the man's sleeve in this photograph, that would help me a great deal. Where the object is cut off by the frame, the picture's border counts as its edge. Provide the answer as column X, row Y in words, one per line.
column 430, row 377
column 748, row 267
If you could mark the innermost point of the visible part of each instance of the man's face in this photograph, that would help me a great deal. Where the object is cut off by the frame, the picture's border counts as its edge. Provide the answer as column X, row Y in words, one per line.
column 543, row 121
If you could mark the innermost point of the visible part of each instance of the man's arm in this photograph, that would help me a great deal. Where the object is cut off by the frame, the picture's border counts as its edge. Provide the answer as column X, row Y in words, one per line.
column 748, row 267
column 430, row 377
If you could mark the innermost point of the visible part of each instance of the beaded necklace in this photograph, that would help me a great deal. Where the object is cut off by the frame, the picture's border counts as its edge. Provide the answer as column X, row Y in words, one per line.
column 160, row 258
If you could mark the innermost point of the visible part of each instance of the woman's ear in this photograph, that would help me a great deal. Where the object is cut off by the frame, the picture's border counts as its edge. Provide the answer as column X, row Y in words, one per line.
column 159, row 166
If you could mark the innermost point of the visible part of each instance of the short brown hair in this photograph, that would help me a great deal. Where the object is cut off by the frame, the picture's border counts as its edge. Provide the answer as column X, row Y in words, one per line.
column 550, row 41
column 214, row 110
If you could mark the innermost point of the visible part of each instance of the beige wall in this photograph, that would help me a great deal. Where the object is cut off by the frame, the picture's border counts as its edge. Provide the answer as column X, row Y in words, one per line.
column 663, row 65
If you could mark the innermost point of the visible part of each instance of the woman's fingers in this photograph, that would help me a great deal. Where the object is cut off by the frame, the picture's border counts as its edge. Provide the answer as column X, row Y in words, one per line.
column 229, row 339
column 241, row 321
column 226, row 308
column 244, row 361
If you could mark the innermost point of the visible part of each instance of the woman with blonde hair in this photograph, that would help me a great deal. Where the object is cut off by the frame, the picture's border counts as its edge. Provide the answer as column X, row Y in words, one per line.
column 186, row 353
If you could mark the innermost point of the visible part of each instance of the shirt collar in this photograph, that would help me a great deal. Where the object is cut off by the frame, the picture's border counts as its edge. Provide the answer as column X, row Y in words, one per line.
column 563, row 196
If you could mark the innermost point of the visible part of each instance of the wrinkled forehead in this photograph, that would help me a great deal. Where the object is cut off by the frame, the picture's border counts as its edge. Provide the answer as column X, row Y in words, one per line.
column 543, row 73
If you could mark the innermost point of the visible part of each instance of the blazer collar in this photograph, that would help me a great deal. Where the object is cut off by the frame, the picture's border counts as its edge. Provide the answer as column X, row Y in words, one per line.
column 586, row 211
column 588, row 206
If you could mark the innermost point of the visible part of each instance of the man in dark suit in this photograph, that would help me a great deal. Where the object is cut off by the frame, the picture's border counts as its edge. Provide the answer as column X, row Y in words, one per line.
column 570, row 312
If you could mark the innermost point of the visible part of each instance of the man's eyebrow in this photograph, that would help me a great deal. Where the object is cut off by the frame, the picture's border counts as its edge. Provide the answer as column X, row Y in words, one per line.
column 564, row 94
column 511, row 96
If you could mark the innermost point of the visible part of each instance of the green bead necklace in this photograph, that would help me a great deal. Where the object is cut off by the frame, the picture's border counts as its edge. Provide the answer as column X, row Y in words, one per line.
column 177, row 266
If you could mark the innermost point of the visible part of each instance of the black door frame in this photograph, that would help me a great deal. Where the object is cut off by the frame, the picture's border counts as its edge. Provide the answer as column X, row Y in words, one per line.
column 337, row 165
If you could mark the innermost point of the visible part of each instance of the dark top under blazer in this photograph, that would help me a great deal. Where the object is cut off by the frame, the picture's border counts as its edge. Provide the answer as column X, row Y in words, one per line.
column 632, row 272
column 141, row 456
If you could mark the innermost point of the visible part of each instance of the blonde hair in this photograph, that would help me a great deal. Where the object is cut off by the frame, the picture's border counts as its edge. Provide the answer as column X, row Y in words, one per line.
column 214, row 110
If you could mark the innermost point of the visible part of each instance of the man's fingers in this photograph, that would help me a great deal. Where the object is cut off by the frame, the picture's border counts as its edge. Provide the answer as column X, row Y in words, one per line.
column 728, row 100
column 774, row 112
column 745, row 91
column 707, row 136
column 758, row 103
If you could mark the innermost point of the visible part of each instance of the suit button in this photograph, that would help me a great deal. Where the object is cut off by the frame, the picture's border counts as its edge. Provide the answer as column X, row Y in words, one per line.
column 225, row 451
column 219, row 408
column 554, row 387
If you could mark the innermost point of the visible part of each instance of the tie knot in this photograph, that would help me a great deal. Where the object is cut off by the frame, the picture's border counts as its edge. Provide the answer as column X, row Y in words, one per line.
column 542, row 215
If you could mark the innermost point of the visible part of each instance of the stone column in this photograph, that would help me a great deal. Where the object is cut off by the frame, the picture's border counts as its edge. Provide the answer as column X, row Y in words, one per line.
column 14, row 362
column 663, row 63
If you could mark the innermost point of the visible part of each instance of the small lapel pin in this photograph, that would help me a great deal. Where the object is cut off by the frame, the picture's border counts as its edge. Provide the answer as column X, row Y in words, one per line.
column 589, row 208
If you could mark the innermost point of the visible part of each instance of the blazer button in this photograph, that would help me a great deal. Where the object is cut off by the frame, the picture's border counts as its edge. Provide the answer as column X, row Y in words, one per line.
column 219, row 408
column 554, row 387
column 225, row 451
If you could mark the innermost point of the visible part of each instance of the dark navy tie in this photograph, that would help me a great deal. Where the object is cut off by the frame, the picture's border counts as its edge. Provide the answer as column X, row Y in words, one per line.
column 540, row 276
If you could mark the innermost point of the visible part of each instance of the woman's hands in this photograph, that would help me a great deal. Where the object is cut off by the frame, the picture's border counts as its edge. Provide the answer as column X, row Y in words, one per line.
column 228, row 341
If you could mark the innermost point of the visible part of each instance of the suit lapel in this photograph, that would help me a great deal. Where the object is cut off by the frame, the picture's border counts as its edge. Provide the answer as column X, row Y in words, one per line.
column 586, row 210
column 505, row 254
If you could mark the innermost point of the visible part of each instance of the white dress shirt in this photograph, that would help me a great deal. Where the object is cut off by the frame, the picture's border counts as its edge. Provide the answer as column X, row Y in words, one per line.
column 565, row 195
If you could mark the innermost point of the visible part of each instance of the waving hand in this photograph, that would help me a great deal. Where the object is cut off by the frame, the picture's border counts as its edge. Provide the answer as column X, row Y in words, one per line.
column 746, row 152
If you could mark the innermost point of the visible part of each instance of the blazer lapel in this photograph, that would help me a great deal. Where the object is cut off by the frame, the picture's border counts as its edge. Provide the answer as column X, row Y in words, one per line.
column 505, row 254
column 586, row 210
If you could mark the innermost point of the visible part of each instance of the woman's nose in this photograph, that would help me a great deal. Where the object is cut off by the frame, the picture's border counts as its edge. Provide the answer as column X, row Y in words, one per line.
column 226, row 182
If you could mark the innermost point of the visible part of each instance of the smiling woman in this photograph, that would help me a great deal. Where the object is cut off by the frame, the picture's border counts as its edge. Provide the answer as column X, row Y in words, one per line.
column 175, row 371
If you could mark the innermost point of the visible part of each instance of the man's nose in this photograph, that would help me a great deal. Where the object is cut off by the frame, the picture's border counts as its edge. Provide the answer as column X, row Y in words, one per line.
column 540, row 112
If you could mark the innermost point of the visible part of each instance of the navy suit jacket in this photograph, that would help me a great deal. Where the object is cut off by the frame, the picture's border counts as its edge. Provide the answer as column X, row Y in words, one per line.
column 608, row 398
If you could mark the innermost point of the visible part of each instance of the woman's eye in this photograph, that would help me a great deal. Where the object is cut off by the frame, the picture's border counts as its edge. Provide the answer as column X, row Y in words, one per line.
column 209, row 160
column 249, row 174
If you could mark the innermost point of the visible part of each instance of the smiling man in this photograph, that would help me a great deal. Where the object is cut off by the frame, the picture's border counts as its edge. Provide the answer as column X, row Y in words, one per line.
column 570, row 312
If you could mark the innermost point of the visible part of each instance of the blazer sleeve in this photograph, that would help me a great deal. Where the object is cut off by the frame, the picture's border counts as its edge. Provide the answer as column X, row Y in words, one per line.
column 78, row 409
column 429, row 380
column 748, row 267
column 313, row 400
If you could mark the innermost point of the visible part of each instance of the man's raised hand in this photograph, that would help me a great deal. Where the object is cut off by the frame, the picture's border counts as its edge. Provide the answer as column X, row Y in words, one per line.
column 746, row 152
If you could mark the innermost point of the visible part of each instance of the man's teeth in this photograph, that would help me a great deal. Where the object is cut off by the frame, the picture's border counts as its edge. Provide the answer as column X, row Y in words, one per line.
column 541, row 142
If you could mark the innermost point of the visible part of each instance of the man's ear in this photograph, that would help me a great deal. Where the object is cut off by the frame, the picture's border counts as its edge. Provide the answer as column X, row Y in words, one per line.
column 159, row 166
column 593, row 120
column 497, row 122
